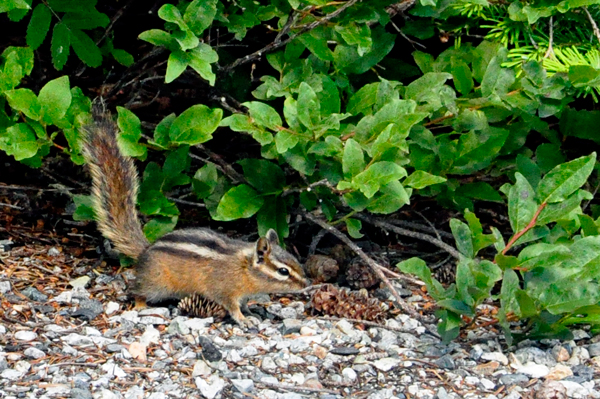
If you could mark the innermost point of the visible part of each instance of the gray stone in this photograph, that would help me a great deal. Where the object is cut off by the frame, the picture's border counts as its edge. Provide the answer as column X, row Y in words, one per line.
column 344, row 351
column 211, row 387
column 291, row 326
column 5, row 287
column 243, row 385
column 80, row 282
column 25, row 336
column 80, row 393
column 34, row 353
column 594, row 349
column 387, row 363
column 514, row 379
column 209, row 351
column 134, row 392
column 445, row 362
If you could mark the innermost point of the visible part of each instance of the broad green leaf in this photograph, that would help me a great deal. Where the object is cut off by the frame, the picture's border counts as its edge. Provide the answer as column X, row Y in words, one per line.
column 131, row 132
column 84, row 207
column 461, row 73
column 19, row 141
column 205, row 180
column 239, row 202
column 353, row 160
column 389, row 199
column 85, row 48
column 521, row 203
column 449, row 327
column 565, row 179
column 25, row 101
column 377, row 175
column 157, row 37
column 122, row 57
column 159, row 226
column 308, row 106
column 61, row 45
column 420, row 179
column 559, row 210
column 195, row 125
column 462, row 236
column 273, row 215
column 176, row 64
column 264, row 114
column 38, row 27
column 419, row 268
column 363, row 99
column 55, row 99
column 200, row 14
column 354, row 226
column 200, row 58
column 263, row 175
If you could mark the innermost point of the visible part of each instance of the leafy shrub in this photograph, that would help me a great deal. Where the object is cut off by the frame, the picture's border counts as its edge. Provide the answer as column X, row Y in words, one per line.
column 347, row 124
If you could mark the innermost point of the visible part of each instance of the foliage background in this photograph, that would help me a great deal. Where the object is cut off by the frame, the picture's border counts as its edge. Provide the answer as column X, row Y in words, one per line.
column 265, row 110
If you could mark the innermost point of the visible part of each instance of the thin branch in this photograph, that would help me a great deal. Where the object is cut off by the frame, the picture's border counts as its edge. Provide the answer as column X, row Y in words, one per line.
column 11, row 206
column 530, row 226
column 550, row 51
column 277, row 44
column 594, row 25
column 420, row 236
column 372, row 264
column 184, row 202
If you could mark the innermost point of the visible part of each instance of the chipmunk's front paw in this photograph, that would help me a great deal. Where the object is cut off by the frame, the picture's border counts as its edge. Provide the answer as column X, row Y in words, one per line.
column 247, row 322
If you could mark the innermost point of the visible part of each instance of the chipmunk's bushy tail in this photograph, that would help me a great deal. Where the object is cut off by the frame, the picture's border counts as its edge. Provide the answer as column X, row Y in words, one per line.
column 115, row 185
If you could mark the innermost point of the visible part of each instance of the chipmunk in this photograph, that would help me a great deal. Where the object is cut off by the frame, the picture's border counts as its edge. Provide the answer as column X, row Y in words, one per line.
column 186, row 261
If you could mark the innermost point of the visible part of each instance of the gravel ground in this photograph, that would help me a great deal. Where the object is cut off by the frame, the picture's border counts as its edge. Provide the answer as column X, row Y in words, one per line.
column 66, row 332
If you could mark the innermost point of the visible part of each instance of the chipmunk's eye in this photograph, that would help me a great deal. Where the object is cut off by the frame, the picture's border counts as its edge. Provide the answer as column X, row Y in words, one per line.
column 283, row 271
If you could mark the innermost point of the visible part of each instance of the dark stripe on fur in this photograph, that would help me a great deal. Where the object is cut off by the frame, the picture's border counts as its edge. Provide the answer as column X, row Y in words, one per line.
column 202, row 242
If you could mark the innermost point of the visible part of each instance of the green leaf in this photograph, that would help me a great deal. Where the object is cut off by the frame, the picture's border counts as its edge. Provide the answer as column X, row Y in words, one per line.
column 176, row 64
column 61, row 45
column 195, row 125
column 38, row 27
column 363, row 100
column 273, row 215
column 264, row 115
column 84, row 207
column 391, row 197
column 354, row 226
column 19, row 141
column 355, row 34
column 158, row 38
column 264, row 176
column 462, row 236
column 200, row 58
column 122, row 57
column 205, row 180
column 131, row 132
column 25, row 101
column 461, row 73
column 565, row 179
column 158, row 227
column 419, row 268
column 308, row 106
column 521, row 203
column 199, row 15
column 55, row 99
column 449, row 327
column 85, row 48
column 239, row 202
column 420, row 179
column 480, row 191
column 353, row 160
column 378, row 174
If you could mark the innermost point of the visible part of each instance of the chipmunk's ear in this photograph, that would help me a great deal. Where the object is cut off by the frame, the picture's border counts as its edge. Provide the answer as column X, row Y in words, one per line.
column 263, row 248
column 272, row 237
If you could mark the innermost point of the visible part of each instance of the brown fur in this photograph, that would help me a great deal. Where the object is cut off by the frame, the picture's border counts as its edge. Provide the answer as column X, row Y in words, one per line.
column 115, row 186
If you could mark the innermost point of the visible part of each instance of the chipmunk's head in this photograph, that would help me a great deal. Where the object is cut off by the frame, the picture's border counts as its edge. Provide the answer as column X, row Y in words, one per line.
column 280, row 268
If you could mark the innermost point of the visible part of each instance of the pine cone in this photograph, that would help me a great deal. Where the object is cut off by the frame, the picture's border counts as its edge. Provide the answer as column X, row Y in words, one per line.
column 321, row 268
column 332, row 301
column 198, row 306
column 446, row 273
column 360, row 275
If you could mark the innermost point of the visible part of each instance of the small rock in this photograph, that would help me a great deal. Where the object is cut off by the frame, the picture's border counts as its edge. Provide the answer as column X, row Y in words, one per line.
column 11, row 374
column 288, row 313
column 209, row 351
column 77, row 340
column 111, row 308
column 134, row 392
column 64, row 297
column 244, row 385
column 138, row 351
column 210, row 388
column 150, row 336
column 594, row 349
column 561, row 354
column 81, row 393
column 345, row 351
column 53, row 252
column 178, row 326
column 199, row 325
column 33, row 294
column 445, row 362
column 349, row 374
column 268, row 364
column 111, row 369
column 34, row 353
column 387, row 363
column 80, row 282
column 579, row 335
column 533, row 370
column 291, row 326
column 201, row 369
column 5, row 245
column 497, row 356
column 552, row 389
column 25, row 336
column 346, row 327
column 113, row 348
column 575, row 390
column 514, row 379
column 307, row 331
column 5, row 287
column 486, row 368
column 559, row 372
